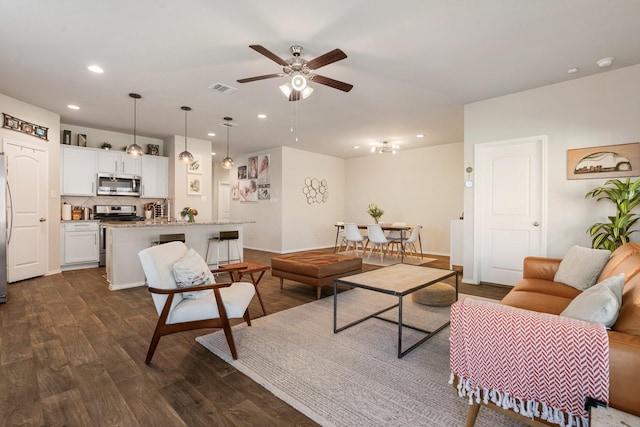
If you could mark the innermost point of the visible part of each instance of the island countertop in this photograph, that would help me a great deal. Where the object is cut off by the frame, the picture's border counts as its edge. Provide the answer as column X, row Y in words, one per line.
column 150, row 223
column 125, row 239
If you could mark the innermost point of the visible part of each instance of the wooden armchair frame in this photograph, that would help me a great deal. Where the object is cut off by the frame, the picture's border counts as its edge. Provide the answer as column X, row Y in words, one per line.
column 164, row 328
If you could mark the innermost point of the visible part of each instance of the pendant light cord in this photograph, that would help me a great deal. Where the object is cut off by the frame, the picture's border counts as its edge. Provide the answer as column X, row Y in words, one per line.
column 185, row 130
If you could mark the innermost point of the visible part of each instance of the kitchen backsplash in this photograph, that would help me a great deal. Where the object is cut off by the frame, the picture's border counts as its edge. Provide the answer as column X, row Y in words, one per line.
column 90, row 202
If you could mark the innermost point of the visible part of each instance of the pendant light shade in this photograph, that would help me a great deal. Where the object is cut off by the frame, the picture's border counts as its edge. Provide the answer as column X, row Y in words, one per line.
column 185, row 157
column 227, row 162
column 134, row 150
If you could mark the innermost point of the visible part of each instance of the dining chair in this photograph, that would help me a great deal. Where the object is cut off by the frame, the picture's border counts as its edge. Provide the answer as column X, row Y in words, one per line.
column 395, row 236
column 186, row 296
column 341, row 236
column 353, row 237
column 377, row 238
column 414, row 237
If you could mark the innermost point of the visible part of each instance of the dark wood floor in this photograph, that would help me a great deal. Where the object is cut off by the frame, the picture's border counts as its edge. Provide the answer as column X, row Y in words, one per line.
column 72, row 353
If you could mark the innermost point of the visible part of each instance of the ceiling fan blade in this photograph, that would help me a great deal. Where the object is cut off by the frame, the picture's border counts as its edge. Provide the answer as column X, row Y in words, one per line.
column 272, row 56
column 346, row 87
column 253, row 79
column 326, row 59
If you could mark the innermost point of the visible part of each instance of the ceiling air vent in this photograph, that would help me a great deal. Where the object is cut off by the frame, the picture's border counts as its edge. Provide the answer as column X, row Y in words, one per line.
column 223, row 88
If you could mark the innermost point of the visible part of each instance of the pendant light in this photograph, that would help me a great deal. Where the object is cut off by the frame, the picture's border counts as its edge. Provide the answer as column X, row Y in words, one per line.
column 185, row 156
column 134, row 150
column 227, row 162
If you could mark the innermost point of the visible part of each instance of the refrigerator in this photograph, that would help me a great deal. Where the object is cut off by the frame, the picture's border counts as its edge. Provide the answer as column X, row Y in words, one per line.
column 3, row 232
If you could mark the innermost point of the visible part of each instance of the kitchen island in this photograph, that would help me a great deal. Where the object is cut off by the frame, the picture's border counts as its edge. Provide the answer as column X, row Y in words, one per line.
column 125, row 239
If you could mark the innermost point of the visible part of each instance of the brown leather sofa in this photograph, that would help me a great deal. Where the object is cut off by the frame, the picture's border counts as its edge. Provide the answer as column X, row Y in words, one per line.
column 537, row 291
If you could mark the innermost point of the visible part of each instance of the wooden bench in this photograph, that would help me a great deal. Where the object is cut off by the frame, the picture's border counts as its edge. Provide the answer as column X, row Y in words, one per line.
column 317, row 268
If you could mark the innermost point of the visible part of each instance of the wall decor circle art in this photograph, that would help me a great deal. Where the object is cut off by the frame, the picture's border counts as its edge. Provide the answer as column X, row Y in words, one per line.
column 317, row 191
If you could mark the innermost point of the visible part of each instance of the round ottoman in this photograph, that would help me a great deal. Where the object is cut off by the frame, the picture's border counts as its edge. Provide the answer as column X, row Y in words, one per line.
column 439, row 294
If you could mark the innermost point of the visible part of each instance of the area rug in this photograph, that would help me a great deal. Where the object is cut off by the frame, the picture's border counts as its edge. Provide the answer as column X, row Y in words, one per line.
column 353, row 378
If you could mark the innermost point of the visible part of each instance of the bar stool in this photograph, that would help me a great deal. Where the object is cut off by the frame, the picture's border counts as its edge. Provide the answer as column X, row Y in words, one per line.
column 224, row 236
column 166, row 238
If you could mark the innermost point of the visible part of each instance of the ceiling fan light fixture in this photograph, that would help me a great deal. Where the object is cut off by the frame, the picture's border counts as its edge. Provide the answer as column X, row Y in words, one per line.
column 298, row 82
column 185, row 157
column 286, row 89
column 134, row 150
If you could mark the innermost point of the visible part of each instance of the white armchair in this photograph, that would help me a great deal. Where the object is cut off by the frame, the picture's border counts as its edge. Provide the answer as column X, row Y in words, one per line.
column 185, row 308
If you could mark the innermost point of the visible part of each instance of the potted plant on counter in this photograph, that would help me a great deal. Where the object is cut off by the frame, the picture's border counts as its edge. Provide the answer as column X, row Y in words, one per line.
column 626, row 196
column 189, row 214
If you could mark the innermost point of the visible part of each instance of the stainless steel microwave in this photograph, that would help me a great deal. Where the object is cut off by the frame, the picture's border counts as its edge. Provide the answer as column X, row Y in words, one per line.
column 118, row 185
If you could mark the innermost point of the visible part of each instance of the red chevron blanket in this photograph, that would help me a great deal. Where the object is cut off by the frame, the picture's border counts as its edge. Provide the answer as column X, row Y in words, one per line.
column 535, row 364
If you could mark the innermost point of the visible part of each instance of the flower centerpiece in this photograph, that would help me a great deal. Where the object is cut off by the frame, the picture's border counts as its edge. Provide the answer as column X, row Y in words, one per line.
column 189, row 214
column 375, row 212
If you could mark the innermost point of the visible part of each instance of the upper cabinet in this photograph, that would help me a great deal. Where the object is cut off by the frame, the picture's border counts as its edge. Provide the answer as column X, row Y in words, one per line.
column 78, row 171
column 80, row 166
column 155, row 177
column 118, row 162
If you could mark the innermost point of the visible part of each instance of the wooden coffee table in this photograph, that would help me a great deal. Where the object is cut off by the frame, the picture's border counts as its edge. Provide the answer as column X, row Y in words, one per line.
column 250, row 269
column 397, row 280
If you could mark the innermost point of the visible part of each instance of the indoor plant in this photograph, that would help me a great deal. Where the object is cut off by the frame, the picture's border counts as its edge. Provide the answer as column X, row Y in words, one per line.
column 189, row 214
column 375, row 212
column 626, row 196
column 106, row 146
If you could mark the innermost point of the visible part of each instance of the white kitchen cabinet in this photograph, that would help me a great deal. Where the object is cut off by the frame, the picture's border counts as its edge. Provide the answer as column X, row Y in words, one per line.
column 79, row 245
column 78, row 166
column 155, row 177
column 118, row 162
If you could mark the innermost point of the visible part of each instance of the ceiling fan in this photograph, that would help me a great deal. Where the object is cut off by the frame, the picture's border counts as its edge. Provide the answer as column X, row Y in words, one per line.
column 301, row 70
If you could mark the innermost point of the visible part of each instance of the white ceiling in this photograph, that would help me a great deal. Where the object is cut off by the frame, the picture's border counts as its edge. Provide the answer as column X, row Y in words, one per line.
column 413, row 63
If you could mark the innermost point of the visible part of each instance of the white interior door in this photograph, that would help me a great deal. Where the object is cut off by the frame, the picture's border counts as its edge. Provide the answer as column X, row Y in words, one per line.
column 27, row 171
column 224, row 201
column 510, row 207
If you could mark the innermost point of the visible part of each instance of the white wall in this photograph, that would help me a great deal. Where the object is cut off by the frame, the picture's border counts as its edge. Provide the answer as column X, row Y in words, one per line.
column 178, row 177
column 33, row 114
column 602, row 109
column 266, row 232
column 310, row 226
column 420, row 187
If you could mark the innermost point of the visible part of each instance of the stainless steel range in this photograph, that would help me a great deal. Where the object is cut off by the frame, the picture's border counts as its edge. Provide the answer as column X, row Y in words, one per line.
column 105, row 214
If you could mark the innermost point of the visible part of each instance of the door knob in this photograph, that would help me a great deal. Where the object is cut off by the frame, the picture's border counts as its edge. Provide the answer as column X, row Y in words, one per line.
column 536, row 223
column 43, row 219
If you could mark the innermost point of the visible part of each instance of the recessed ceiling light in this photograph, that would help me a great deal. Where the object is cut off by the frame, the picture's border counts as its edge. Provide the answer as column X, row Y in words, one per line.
column 420, row 135
column 211, row 134
column 73, row 107
column 262, row 116
column 605, row 62
column 356, row 147
column 572, row 70
column 96, row 69
column 213, row 153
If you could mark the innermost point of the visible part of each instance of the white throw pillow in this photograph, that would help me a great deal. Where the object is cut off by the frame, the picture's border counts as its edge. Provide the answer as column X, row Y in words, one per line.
column 192, row 270
column 600, row 303
column 581, row 267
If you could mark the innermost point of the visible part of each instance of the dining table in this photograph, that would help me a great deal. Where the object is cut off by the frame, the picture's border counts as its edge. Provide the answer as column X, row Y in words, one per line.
column 385, row 227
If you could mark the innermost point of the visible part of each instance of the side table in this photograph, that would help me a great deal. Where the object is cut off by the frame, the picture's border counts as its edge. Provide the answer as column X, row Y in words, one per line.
column 251, row 269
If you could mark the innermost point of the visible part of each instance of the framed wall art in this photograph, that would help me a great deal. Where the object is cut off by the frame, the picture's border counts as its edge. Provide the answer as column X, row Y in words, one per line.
column 66, row 137
column 82, row 140
column 194, row 185
column 195, row 167
column 609, row 161
column 23, row 126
